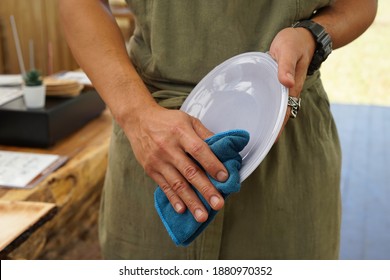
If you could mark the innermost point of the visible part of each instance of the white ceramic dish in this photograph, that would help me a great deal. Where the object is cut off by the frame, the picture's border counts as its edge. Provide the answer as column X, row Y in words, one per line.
column 243, row 92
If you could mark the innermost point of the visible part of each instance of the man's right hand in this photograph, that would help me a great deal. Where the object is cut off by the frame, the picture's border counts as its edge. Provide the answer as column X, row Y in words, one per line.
column 162, row 141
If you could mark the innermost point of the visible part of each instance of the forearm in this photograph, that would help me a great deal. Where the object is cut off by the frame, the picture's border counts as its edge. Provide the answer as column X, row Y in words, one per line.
column 161, row 139
column 99, row 48
column 345, row 20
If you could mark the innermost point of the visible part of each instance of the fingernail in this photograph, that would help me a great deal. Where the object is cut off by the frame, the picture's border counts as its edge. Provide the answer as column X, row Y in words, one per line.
column 178, row 207
column 198, row 214
column 222, row 176
column 214, row 201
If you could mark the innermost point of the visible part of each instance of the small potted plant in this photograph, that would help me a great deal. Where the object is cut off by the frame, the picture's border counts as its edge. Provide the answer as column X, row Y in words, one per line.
column 34, row 91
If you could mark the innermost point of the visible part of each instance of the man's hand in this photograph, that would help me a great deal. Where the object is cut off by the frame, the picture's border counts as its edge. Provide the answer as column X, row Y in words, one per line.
column 293, row 49
column 162, row 141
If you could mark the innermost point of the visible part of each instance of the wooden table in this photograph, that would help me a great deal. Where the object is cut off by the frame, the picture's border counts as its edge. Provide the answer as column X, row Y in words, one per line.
column 20, row 219
column 74, row 189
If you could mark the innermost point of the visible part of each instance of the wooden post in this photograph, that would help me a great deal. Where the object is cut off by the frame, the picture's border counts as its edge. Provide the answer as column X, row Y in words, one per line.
column 38, row 21
column 1, row 48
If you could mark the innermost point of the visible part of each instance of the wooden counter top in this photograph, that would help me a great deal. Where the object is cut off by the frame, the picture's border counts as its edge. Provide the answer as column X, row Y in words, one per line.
column 19, row 219
column 74, row 189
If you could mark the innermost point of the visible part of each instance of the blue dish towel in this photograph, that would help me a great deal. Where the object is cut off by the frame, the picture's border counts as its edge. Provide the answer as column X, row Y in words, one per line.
column 183, row 228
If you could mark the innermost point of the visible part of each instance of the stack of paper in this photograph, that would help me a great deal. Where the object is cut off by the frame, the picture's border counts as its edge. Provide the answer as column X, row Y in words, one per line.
column 7, row 94
column 11, row 80
column 79, row 76
column 21, row 170
column 62, row 87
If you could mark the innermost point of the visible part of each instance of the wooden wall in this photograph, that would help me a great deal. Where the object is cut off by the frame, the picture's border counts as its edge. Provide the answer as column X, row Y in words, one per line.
column 1, row 51
column 36, row 20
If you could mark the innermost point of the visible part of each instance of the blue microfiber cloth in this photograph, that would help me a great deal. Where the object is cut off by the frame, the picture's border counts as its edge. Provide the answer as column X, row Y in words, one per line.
column 183, row 228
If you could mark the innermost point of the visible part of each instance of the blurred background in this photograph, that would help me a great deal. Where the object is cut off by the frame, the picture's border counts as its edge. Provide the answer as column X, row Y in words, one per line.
column 356, row 78
column 359, row 72
column 37, row 21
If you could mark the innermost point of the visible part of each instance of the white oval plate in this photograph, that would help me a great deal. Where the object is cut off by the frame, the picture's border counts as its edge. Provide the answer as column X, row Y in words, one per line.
column 243, row 92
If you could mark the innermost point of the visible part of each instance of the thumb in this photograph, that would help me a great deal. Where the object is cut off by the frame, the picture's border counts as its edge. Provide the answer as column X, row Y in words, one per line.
column 286, row 68
column 286, row 71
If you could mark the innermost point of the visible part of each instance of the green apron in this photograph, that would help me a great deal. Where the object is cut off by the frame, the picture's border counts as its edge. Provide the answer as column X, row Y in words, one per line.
column 290, row 207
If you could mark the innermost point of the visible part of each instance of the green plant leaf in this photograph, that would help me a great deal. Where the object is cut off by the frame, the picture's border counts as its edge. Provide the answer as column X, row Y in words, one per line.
column 33, row 78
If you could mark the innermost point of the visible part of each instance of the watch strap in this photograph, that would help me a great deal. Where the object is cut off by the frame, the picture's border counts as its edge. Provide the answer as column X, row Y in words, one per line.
column 323, row 43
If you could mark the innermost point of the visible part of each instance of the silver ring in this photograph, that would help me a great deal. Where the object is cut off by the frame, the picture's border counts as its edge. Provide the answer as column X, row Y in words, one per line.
column 295, row 104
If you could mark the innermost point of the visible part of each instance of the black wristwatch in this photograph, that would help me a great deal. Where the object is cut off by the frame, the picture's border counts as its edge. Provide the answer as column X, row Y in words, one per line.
column 323, row 40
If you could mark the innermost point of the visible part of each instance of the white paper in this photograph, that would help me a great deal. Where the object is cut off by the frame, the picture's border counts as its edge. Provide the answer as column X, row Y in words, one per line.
column 78, row 76
column 8, row 94
column 20, row 170
column 11, row 80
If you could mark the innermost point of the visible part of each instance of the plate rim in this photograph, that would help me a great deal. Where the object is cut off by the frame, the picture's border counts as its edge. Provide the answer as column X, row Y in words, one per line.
column 246, row 170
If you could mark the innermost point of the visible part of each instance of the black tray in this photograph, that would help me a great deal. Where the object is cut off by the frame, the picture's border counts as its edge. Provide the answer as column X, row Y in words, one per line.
column 42, row 128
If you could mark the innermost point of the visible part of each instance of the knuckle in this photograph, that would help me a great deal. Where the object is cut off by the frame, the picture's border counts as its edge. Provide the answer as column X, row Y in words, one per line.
column 191, row 204
column 149, row 166
column 148, row 169
column 206, row 190
column 171, row 196
column 190, row 172
column 197, row 148
column 196, row 121
column 161, row 145
column 176, row 129
column 179, row 186
column 165, row 188
column 211, row 167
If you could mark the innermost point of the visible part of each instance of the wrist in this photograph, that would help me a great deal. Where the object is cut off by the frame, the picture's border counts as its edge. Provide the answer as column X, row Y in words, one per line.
column 129, row 102
column 310, row 43
column 323, row 43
